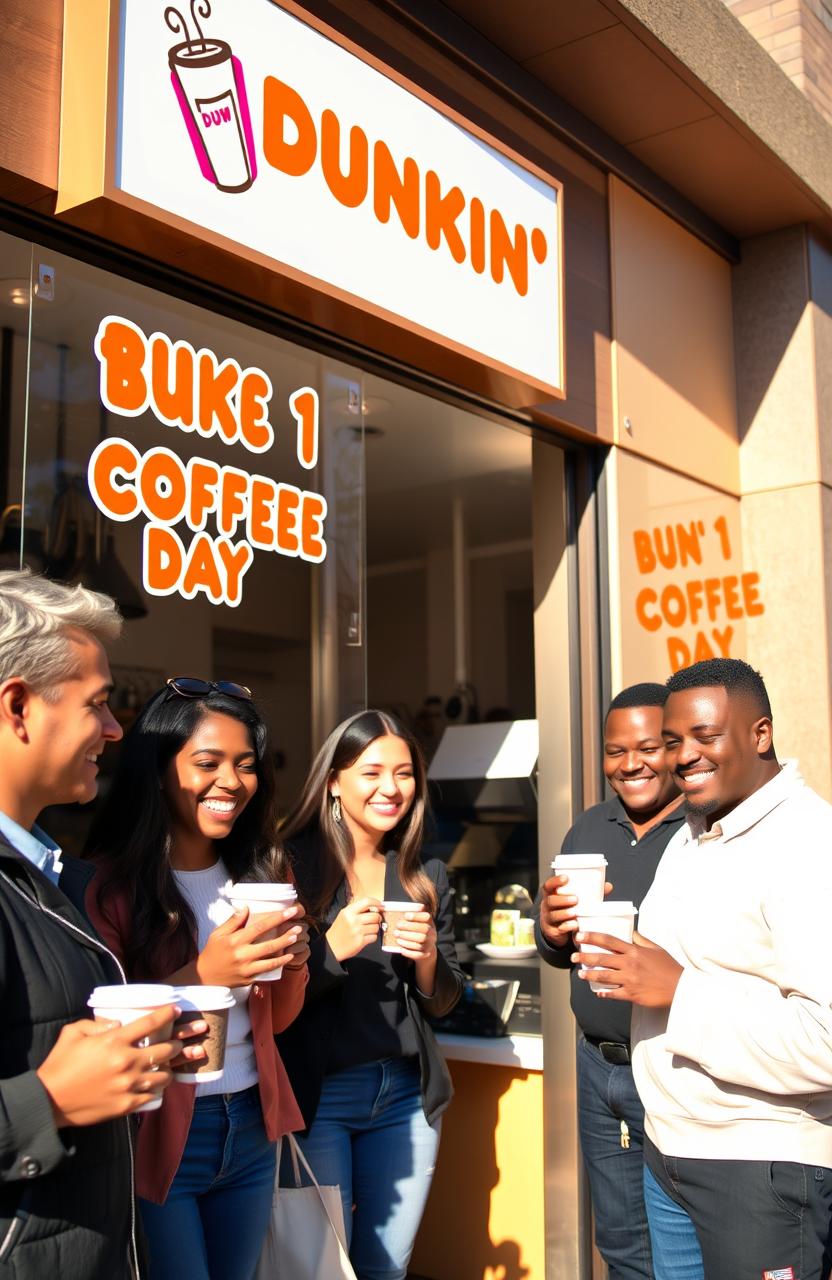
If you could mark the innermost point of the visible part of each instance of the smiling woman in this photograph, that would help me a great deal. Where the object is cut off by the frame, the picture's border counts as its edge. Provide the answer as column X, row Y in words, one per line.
column 371, row 1082
column 192, row 808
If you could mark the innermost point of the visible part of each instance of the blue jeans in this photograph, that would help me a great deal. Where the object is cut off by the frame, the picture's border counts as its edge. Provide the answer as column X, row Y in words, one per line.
column 370, row 1137
column 676, row 1251
column 606, row 1097
column 225, row 1180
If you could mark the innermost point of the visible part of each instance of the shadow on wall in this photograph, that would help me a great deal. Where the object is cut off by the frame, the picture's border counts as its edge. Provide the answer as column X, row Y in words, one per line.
column 770, row 289
column 455, row 1239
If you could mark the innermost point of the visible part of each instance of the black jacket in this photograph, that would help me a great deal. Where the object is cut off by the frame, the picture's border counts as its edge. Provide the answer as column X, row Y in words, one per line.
column 66, row 1200
column 304, row 1046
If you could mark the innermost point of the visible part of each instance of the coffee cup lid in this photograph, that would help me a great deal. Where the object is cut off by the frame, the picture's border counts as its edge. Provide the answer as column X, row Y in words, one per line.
column 132, row 995
column 402, row 906
column 579, row 861
column 262, row 892
column 196, row 998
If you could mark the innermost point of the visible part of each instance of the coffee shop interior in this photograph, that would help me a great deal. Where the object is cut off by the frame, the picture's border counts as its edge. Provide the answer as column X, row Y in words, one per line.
column 423, row 605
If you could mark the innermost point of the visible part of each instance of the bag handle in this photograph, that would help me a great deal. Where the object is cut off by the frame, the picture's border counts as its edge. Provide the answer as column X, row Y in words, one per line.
column 298, row 1158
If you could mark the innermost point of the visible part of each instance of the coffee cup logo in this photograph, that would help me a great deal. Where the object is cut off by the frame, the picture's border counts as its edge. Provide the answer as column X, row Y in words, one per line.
column 210, row 87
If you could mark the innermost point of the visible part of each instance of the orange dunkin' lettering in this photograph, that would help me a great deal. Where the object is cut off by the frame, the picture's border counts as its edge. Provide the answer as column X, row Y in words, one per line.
column 506, row 252
column 391, row 187
column 441, row 213
column 350, row 188
column 418, row 198
column 476, row 216
column 280, row 102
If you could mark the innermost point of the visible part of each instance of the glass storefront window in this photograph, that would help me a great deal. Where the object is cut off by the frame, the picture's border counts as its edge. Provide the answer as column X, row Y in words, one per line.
column 56, row 420
column 423, row 604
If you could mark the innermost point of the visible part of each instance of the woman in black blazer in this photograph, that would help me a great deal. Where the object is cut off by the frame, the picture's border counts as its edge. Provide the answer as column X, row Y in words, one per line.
column 362, row 1059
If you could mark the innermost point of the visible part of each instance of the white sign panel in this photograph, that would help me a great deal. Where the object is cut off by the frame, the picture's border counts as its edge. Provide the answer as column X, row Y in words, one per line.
column 240, row 118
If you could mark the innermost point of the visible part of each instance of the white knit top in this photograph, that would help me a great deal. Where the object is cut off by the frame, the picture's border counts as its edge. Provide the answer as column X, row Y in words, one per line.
column 201, row 890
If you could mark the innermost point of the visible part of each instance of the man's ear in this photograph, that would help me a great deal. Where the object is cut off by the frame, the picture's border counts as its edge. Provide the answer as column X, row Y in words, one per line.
column 15, row 705
column 763, row 732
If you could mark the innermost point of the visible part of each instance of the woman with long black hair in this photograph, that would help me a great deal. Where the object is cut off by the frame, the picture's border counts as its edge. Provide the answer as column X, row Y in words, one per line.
column 363, row 1061
column 191, row 808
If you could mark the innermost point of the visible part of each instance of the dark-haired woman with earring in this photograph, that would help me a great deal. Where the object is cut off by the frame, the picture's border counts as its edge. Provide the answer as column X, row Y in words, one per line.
column 367, row 1072
column 191, row 808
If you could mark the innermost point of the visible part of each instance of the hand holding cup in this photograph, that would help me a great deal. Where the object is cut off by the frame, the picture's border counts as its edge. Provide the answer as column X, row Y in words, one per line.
column 638, row 971
column 354, row 928
column 558, row 910
column 241, row 952
column 413, row 935
column 100, row 1070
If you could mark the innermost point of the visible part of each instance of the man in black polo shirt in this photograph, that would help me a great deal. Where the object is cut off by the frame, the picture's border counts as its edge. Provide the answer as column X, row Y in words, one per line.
column 631, row 830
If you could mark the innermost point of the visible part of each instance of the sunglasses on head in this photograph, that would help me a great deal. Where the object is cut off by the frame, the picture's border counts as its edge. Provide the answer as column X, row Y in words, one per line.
column 193, row 687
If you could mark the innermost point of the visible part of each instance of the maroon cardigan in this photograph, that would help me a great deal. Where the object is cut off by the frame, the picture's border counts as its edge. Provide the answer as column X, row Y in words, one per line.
column 272, row 1006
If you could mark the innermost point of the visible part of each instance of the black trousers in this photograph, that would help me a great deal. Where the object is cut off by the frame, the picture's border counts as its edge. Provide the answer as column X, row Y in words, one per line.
column 756, row 1219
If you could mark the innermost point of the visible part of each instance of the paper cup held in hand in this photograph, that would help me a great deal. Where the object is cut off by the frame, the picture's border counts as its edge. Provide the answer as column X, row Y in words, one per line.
column 587, row 874
column 392, row 914
column 614, row 918
column 129, row 1001
column 213, row 1005
column 260, row 899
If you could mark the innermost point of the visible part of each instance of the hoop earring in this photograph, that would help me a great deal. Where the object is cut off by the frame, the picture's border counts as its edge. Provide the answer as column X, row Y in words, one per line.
column 336, row 808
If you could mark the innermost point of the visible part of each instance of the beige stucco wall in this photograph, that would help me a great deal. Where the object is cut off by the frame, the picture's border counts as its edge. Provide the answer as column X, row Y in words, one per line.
column 798, row 35
column 726, row 377
column 783, row 341
column 673, row 359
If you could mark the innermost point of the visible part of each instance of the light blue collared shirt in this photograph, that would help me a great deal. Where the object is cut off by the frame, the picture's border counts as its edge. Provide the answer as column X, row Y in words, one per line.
column 36, row 845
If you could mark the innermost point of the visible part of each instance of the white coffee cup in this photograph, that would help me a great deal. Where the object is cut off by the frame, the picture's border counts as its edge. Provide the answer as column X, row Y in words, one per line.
column 126, row 1003
column 587, row 874
column 391, row 914
column 614, row 918
column 260, row 899
column 213, row 1005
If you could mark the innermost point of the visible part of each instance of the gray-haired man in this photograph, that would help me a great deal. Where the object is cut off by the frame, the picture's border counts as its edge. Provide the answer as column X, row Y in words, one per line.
column 66, row 1084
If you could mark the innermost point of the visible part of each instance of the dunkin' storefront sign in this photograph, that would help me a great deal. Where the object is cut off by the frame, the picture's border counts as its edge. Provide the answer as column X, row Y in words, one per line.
column 240, row 118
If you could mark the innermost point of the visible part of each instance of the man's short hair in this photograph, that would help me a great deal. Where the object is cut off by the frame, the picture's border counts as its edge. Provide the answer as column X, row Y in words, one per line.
column 647, row 694
column 732, row 674
column 35, row 616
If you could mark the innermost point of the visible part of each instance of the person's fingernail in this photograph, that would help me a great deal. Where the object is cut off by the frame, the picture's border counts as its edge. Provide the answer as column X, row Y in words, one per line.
column 579, row 937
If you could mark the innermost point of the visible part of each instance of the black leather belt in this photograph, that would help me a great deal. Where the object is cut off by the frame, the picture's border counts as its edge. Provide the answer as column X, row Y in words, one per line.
column 612, row 1051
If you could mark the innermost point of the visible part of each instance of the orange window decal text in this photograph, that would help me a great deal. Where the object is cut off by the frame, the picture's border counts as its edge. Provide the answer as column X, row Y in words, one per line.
column 197, row 392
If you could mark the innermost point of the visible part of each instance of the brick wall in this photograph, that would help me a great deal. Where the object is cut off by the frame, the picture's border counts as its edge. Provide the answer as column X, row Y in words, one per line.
column 798, row 35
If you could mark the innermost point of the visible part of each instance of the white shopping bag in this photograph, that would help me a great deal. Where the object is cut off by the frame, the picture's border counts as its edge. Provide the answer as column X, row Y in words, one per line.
column 306, row 1236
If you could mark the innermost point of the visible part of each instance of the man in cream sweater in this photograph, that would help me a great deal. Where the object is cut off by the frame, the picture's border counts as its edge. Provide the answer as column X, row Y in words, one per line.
column 732, row 983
